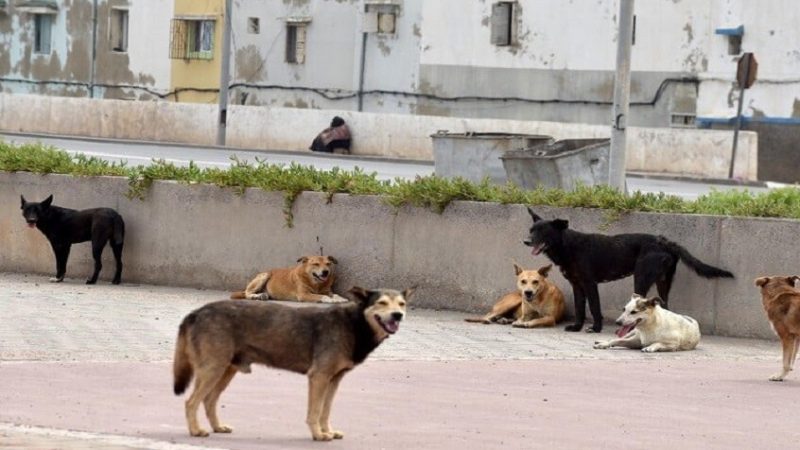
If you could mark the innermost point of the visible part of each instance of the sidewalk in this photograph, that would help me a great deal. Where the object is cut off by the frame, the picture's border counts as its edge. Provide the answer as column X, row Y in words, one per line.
column 90, row 367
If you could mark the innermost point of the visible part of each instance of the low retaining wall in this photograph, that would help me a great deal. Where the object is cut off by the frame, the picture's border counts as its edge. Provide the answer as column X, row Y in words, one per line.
column 702, row 153
column 208, row 237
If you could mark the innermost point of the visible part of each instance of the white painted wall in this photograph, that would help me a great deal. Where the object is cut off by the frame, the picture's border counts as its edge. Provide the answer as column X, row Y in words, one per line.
column 149, row 37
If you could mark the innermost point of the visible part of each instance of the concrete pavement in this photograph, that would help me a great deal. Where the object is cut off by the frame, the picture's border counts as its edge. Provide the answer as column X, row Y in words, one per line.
column 89, row 367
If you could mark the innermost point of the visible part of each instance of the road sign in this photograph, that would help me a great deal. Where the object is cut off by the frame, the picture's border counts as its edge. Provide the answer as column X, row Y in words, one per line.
column 746, row 70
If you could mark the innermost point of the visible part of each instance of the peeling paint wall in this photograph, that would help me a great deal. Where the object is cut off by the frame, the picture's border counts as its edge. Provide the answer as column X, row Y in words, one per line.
column 67, row 69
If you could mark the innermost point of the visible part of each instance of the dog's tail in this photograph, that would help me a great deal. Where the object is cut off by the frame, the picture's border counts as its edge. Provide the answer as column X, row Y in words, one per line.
column 182, row 368
column 238, row 295
column 475, row 320
column 701, row 268
column 118, row 237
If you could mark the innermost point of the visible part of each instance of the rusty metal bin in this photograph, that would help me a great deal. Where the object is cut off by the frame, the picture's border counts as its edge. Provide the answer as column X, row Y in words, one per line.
column 475, row 156
column 562, row 164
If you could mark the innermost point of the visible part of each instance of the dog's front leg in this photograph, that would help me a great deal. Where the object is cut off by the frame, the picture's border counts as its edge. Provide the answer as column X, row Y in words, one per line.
column 62, row 254
column 580, row 308
column 631, row 340
column 660, row 347
column 333, row 298
column 324, row 420
column 317, row 388
column 593, row 296
column 788, row 344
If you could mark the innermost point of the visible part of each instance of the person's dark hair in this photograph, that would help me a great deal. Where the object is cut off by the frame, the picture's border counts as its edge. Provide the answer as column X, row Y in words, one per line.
column 337, row 121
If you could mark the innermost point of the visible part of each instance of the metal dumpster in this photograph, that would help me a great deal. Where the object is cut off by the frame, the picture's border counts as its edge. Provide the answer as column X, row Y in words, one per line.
column 562, row 164
column 474, row 156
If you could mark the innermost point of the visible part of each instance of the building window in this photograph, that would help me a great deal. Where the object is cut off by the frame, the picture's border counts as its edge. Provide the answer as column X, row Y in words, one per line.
column 680, row 120
column 192, row 39
column 42, row 25
column 296, row 43
column 504, row 24
column 734, row 45
column 118, row 30
column 253, row 25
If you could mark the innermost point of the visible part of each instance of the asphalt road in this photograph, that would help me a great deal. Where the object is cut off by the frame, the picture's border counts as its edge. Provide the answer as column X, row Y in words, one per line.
column 88, row 367
column 143, row 153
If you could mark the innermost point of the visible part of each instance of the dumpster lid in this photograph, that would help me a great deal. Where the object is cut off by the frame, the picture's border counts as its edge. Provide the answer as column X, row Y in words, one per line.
column 488, row 135
column 557, row 149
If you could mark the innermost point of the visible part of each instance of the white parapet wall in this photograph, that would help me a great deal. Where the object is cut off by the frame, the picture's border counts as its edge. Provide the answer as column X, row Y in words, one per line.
column 687, row 152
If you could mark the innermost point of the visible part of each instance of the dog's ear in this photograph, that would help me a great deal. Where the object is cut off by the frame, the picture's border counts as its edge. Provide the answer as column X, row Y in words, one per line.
column 359, row 294
column 761, row 281
column 46, row 202
column 561, row 224
column 332, row 259
column 517, row 269
column 409, row 292
column 534, row 216
column 22, row 199
column 543, row 271
column 303, row 260
column 652, row 302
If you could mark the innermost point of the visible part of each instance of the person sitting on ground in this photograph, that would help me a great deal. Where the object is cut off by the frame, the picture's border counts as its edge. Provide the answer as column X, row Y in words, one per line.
column 334, row 139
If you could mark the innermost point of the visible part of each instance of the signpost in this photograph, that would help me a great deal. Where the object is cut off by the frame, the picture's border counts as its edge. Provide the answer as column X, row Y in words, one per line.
column 746, row 72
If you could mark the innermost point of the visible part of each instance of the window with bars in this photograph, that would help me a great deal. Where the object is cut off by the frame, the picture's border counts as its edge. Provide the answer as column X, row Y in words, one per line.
column 192, row 39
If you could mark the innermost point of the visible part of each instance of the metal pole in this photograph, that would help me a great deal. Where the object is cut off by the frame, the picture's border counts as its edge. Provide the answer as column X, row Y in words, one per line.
column 738, row 124
column 361, row 70
column 93, row 69
column 224, row 75
column 622, row 89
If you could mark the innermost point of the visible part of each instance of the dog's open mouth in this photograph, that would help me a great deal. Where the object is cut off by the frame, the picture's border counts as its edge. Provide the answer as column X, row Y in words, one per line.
column 625, row 329
column 538, row 248
column 31, row 223
column 319, row 277
column 390, row 326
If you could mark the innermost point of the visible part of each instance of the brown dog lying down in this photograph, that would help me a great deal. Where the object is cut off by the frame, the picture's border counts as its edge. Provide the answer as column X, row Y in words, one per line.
column 323, row 342
column 309, row 281
column 536, row 303
column 781, row 301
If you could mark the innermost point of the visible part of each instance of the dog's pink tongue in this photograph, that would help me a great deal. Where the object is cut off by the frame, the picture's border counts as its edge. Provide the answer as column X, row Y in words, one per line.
column 392, row 326
column 624, row 330
column 31, row 225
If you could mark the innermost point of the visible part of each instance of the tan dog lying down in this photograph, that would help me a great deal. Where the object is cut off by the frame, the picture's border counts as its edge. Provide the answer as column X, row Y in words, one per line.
column 536, row 303
column 309, row 281
column 781, row 301
column 651, row 328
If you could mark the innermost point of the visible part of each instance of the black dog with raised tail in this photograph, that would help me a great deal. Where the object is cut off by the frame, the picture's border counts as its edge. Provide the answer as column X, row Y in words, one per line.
column 587, row 259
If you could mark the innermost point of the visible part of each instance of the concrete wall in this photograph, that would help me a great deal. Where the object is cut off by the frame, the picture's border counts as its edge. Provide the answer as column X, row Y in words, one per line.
column 209, row 237
column 703, row 153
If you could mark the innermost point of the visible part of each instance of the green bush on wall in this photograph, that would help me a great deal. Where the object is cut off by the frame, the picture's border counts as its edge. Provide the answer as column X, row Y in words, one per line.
column 430, row 191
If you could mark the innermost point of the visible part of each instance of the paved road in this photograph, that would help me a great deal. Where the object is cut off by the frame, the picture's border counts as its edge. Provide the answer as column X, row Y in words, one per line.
column 88, row 367
column 144, row 153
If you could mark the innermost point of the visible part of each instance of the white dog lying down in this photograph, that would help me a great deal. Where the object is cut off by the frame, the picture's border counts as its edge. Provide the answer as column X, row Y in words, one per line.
column 648, row 326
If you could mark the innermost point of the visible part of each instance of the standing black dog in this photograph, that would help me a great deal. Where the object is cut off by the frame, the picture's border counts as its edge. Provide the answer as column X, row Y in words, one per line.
column 64, row 227
column 588, row 259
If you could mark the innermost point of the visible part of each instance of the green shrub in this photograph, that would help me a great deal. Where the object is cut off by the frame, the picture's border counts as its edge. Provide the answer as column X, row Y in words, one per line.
column 429, row 192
